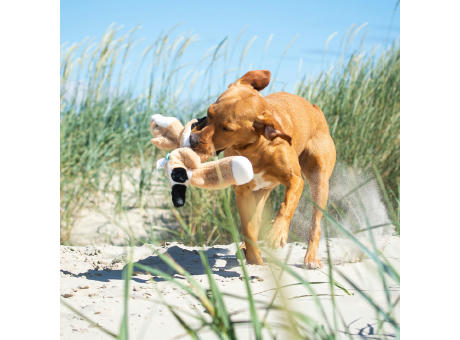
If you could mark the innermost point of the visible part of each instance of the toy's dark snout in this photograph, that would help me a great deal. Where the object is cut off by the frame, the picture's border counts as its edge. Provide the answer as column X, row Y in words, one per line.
column 179, row 175
column 178, row 195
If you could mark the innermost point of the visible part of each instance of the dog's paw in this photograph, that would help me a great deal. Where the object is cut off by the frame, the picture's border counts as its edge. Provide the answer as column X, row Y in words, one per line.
column 311, row 262
column 253, row 256
column 277, row 237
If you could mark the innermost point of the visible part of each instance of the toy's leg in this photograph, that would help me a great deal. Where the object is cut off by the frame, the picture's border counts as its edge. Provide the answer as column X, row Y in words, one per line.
column 250, row 207
column 317, row 168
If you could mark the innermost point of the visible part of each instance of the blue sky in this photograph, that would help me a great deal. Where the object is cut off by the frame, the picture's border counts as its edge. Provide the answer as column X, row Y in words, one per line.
column 310, row 22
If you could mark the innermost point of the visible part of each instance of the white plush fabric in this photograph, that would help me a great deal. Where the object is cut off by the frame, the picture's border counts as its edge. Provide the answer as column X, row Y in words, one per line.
column 242, row 170
column 161, row 163
column 163, row 121
column 185, row 140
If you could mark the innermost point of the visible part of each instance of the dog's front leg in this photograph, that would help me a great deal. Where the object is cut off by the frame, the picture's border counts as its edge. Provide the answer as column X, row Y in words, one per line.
column 279, row 233
column 250, row 207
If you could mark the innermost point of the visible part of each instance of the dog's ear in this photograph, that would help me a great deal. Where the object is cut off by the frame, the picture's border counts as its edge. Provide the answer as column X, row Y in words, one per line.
column 257, row 79
column 272, row 126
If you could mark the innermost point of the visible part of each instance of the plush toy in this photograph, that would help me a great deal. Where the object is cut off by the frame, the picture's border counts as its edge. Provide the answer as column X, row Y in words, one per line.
column 184, row 168
column 183, row 165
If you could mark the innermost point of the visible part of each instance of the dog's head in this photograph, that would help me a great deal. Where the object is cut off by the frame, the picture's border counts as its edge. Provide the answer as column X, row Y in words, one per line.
column 238, row 118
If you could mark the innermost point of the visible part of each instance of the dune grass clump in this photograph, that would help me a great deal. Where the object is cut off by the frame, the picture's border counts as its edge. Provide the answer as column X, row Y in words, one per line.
column 360, row 98
column 104, row 125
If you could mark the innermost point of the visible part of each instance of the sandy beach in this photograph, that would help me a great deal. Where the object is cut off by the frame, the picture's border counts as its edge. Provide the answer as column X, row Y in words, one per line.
column 91, row 282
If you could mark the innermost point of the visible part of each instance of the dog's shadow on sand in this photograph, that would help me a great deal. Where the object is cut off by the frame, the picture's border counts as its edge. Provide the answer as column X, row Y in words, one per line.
column 188, row 259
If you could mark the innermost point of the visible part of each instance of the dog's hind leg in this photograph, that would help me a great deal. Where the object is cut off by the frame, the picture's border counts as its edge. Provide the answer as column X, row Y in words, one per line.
column 250, row 207
column 317, row 163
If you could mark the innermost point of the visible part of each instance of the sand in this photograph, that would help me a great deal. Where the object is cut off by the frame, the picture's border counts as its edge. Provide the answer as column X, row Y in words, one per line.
column 91, row 282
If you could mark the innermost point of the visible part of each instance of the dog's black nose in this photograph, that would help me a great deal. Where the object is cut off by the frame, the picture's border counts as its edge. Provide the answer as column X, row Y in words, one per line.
column 194, row 140
column 178, row 195
column 201, row 123
column 179, row 175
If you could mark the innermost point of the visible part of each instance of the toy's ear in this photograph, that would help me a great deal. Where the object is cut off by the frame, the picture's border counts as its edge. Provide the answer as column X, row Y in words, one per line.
column 162, row 121
column 258, row 79
column 164, row 143
column 184, row 138
column 272, row 126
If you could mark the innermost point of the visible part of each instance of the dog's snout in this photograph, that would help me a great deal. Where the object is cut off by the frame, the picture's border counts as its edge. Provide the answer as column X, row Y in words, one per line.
column 200, row 123
column 194, row 140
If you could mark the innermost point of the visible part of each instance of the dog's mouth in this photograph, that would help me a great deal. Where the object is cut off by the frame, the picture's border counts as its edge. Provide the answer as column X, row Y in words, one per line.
column 200, row 123
column 219, row 151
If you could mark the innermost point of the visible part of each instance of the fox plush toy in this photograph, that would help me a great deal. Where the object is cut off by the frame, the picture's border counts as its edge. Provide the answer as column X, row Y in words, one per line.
column 183, row 165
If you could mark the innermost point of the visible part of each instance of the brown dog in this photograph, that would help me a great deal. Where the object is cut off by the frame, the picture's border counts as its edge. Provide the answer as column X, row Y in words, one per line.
column 284, row 137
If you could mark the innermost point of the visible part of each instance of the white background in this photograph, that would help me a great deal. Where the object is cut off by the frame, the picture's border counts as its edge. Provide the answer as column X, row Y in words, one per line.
column 29, row 169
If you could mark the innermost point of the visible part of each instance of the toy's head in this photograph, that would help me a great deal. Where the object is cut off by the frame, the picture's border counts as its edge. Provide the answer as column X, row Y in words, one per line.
column 178, row 178
column 179, row 165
